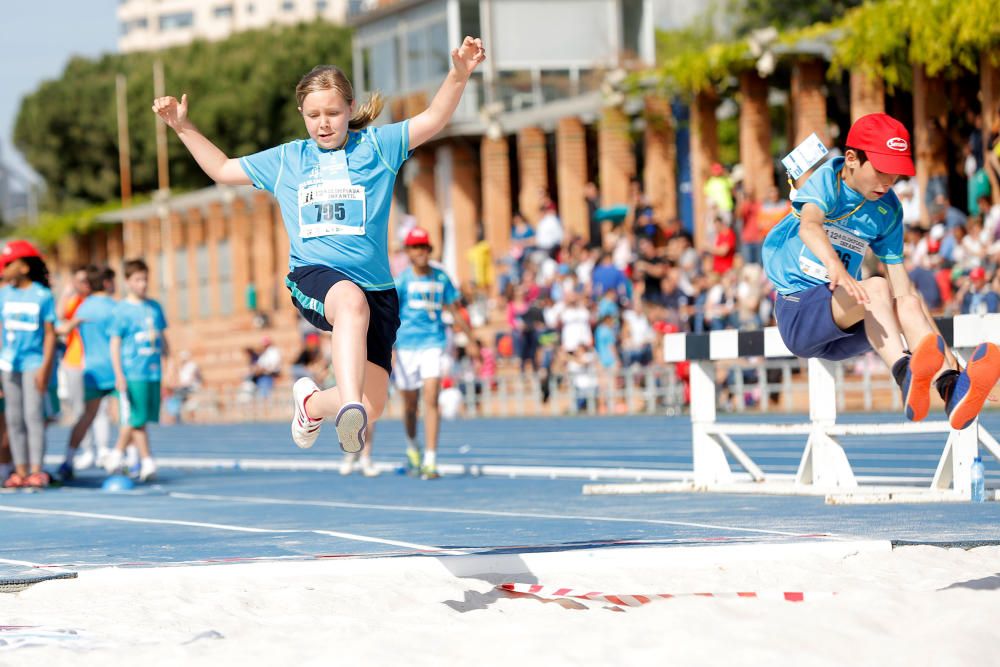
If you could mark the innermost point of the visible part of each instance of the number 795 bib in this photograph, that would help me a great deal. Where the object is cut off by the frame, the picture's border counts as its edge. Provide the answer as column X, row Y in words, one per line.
column 327, row 208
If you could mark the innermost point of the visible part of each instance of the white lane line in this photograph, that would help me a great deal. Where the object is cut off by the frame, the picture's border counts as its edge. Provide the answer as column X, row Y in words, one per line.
column 451, row 510
column 223, row 526
column 23, row 563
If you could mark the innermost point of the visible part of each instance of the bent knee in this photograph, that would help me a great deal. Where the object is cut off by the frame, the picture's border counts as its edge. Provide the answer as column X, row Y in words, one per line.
column 346, row 299
column 877, row 288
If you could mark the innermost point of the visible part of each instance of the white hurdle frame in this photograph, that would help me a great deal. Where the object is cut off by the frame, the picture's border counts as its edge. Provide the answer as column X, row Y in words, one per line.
column 824, row 468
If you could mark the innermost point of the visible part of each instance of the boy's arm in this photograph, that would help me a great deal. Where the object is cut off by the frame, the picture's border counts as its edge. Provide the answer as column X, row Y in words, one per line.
column 814, row 237
column 432, row 120
column 460, row 323
column 66, row 327
column 219, row 166
column 48, row 354
column 116, row 363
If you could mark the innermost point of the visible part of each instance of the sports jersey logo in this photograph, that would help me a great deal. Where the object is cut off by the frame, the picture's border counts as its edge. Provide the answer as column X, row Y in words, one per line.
column 898, row 144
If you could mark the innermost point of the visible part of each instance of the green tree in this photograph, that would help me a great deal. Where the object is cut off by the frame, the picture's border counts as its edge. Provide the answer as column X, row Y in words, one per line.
column 242, row 95
column 750, row 15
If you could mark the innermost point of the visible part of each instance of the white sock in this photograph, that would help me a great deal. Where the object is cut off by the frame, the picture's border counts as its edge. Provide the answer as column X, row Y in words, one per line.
column 430, row 459
column 411, row 443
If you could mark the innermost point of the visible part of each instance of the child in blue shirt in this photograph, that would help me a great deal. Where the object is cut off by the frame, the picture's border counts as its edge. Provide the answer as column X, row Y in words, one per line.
column 824, row 309
column 93, row 318
column 334, row 191
column 137, row 348
column 425, row 294
column 27, row 316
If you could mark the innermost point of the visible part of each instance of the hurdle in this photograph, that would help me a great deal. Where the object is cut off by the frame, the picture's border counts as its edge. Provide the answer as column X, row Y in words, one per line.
column 824, row 468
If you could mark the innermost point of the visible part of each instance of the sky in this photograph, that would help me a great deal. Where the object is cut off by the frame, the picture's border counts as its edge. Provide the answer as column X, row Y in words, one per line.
column 37, row 39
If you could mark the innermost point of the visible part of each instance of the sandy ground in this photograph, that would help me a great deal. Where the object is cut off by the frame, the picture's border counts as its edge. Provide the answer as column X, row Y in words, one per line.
column 911, row 605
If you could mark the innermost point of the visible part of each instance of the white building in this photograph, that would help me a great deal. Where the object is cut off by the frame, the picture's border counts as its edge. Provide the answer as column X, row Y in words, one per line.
column 156, row 24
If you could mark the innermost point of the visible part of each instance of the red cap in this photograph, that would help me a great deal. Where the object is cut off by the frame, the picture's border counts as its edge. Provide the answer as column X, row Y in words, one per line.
column 978, row 273
column 885, row 141
column 716, row 169
column 17, row 249
column 417, row 236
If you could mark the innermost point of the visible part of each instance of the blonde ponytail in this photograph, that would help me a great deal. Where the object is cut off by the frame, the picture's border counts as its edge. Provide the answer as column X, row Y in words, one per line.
column 367, row 112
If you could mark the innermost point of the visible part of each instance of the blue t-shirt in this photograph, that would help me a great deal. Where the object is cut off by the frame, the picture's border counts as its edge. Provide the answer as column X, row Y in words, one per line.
column 421, row 300
column 605, row 342
column 96, row 315
column 335, row 203
column 141, row 327
column 853, row 224
column 25, row 313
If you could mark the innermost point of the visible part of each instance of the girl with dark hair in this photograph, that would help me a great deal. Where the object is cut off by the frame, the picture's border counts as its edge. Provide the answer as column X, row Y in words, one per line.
column 27, row 316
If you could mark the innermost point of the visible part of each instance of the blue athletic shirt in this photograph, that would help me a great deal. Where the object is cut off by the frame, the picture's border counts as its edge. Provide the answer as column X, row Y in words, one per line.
column 24, row 313
column 337, row 215
column 141, row 327
column 853, row 224
column 421, row 300
column 96, row 315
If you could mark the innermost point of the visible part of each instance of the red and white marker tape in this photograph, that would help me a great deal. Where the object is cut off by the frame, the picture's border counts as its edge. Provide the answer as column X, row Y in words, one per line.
column 579, row 594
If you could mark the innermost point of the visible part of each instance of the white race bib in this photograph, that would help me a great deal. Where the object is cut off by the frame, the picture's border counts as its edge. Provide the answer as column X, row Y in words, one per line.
column 329, row 204
column 850, row 251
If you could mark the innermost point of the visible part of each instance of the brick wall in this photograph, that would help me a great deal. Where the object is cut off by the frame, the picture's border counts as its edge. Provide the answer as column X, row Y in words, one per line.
column 930, row 103
column 989, row 77
column 423, row 199
column 465, row 203
column 755, row 135
column 808, row 100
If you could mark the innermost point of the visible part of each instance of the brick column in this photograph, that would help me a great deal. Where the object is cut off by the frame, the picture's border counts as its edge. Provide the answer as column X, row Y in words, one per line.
column 115, row 251
column 989, row 77
column 809, row 100
column 755, row 135
column 98, row 247
column 195, row 237
column 239, row 242
column 660, row 176
column 423, row 200
column 152, row 242
column 704, row 151
column 262, row 249
column 571, row 174
column 465, row 206
column 615, row 155
column 494, row 160
column 215, row 228
column 133, row 232
column 173, row 240
column 532, row 160
column 867, row 94
column 930, row 125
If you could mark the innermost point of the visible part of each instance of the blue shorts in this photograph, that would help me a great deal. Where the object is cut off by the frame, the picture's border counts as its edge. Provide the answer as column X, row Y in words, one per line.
column 805, row 322
column 309, row 285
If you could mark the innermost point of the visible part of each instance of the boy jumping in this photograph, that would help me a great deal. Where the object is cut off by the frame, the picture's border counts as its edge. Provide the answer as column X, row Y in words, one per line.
column 824, row 309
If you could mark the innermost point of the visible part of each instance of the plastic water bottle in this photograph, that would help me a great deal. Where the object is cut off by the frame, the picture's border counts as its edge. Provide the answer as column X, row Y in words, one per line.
column 978, row 474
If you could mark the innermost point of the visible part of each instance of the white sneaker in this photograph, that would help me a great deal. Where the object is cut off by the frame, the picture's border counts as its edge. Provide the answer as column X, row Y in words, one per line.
column 368, row 468
column 304, row 430
column 102, row 456
column 147, row 469
column 347, row 464
column 132, row 463
column 113, row 462
column 84, row 459
column 352, row 420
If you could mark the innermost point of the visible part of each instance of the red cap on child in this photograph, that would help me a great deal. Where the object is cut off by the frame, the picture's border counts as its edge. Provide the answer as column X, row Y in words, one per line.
column 885, row 141
column 417, row 236
column 17, row 249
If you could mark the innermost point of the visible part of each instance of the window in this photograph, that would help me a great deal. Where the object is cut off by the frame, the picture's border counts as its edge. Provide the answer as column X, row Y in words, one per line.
column 380, row 66
column 225, row 259
column 469, row 18
column 176, row 21
column 288, row 6
column 204, row 293
column 428, row 54
column 181, row 284
column 250, row 8
column 223, row 12
column 321, row 6
column 134, row 24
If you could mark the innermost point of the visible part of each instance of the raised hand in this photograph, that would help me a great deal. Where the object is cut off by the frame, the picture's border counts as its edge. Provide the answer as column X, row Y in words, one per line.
column 172, row 112
column 468, row 56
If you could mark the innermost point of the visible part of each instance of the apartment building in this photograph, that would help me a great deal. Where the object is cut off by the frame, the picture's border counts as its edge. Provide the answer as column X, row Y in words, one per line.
column 156, row 24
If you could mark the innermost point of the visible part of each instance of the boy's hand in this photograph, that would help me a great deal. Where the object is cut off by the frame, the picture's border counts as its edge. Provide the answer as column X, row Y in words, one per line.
column 468, row 56
column 172, row 112
column 121, row 385
column 839, row 277
column 41, row 382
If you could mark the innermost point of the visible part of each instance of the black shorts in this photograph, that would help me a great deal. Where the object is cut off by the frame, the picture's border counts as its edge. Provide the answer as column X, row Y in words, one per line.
column 309, row 286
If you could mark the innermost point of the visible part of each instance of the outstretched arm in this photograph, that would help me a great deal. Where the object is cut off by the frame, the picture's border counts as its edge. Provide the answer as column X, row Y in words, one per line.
column 219, row 167
column 432, row 120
